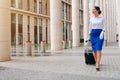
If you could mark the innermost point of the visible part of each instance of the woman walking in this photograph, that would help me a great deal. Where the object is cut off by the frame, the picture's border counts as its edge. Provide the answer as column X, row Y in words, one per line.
column 97, row 29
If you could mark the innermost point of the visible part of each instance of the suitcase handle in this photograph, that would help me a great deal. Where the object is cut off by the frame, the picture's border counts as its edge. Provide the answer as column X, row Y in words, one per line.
column 87, row 41
column 88, row 44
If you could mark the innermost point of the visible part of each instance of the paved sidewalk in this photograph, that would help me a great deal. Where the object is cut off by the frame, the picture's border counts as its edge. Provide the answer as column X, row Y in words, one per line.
column 62, row 65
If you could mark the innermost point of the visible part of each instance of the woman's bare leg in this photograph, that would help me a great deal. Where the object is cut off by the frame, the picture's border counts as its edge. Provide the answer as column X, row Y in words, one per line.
column 95, row 55
column 98, row 58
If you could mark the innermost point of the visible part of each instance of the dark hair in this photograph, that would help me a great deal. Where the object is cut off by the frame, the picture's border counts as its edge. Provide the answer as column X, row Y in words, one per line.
column 98, row 9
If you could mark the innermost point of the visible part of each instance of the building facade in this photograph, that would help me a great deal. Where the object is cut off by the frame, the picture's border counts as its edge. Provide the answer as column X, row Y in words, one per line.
column 30, row 20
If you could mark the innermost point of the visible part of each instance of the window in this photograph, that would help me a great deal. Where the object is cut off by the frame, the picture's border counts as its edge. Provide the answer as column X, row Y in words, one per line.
column 40, row 30
column 46, row 7
column 12, row 3
column 62, row 10
column 46, row 31
column 28, row 5
column 13, row 29
column 20, row 4
column 35, row 5
column 35, row 31
column 40, row 6
column 65, row 31
column 69, row 12
column 20, row 29
column 28, row 27
column 65, row 11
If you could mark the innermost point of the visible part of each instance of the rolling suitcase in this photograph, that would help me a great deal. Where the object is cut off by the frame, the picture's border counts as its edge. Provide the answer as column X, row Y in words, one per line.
column 89, row 58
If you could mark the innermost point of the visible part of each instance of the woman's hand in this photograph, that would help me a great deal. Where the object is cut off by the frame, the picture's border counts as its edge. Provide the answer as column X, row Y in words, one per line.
column 101, row 35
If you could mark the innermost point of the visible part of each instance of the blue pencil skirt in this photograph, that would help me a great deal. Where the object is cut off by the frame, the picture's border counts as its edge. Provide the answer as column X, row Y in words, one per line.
column 96, row 42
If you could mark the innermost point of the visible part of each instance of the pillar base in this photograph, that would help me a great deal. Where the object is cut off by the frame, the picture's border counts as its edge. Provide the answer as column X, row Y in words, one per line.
column 28, row 49
column 5, row 59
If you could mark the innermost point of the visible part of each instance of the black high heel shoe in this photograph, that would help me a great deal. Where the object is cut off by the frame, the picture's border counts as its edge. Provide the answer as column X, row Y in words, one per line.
column 98, row 69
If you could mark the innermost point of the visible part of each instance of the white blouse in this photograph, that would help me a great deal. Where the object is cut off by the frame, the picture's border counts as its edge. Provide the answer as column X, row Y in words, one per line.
column 97, row 23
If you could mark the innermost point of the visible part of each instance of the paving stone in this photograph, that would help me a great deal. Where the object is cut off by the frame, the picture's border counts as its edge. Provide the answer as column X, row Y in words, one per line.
column 68, row 64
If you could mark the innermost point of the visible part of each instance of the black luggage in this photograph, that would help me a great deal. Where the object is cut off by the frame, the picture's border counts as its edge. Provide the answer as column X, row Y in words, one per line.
column 89, row 58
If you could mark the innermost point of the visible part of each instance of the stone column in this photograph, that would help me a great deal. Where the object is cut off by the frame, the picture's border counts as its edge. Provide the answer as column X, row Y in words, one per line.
column 32, row 29
column 92, row 4
column 101, row 5
column 5, row 30
column 25, row 31
column 75, row 23
column 104, row 8
column 38, row 6
column 115, row 20
column 111, row 21
column 56, row 25
column 68, row 32
column 16, row 3
column 106, row 15
column 17, row 46
column 112, row 28
column 118, row 19
column 108, row 23
column 86, row 20
column 38, row 30
column 97, row 2
column 48, row 31
column 104, row 11
column 44, row 29
column 32, row 32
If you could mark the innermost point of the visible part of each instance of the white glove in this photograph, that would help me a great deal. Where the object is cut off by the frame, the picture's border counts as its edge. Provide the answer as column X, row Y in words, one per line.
column 101, row 35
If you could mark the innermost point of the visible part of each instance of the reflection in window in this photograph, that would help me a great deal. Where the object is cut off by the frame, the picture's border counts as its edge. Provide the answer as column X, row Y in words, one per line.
column 64, row 31
column 35, row 31
column 20, row 4
column 81, row 20
column 12, row 3
column 40, row 30
column 69, row 12
column 35, row 5
column 46, row 5
column 13, row 29
column 40, row 6
column 46, row 31
column 62, row 10
column 28, row 28
column 20, row 29
column 28, row 5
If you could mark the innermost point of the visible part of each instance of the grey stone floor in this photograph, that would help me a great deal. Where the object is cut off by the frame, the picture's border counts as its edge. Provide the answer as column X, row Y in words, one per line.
column 62, row 65
column 18, row 74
